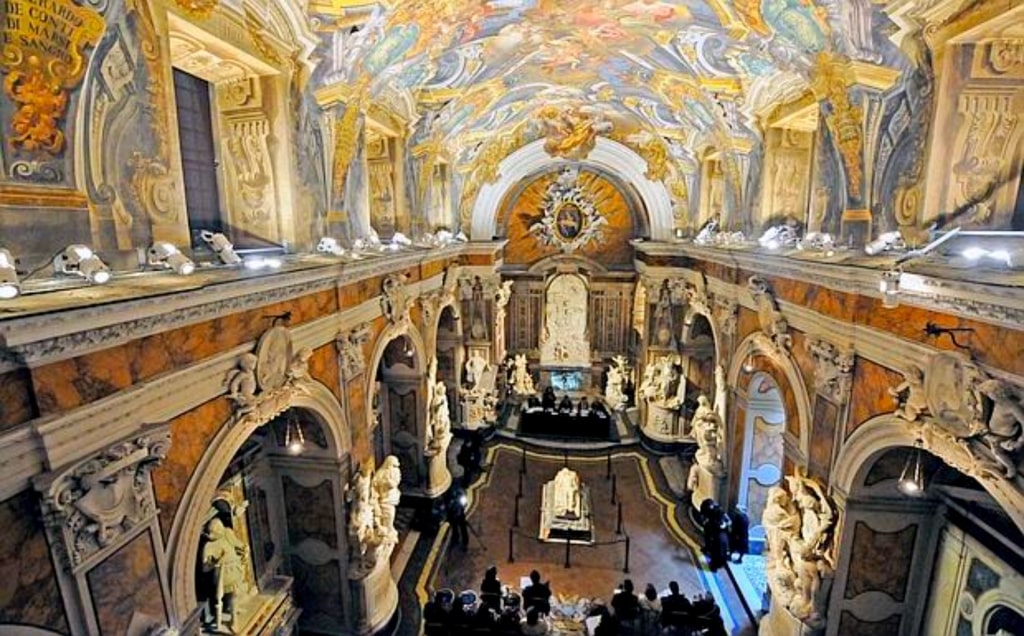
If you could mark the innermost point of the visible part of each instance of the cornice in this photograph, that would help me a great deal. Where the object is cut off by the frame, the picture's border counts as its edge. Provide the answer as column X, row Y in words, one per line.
column 69, row 331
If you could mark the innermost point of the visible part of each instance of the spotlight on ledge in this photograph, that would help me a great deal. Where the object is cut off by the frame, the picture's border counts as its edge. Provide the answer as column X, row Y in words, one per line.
column 9, row 285
column 911, row 481
column 221, row 246
column 79, row 260
column 163, row 254
column 328, row 245
column 889, row 285
column 261, row 262
column 884, row 243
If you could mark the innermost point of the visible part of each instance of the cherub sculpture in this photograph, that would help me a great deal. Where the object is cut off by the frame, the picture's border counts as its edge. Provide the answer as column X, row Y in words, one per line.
column 910, row 395
column 242, row 384
column 1003, row 433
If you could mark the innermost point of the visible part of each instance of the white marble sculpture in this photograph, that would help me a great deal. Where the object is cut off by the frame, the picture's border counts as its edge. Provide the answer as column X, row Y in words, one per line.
column 567, row 498
column 721, row 391
column 242, row 382
column 385, row 486
column 476, row 365
column 522, row 381
column 1003, row 433
column 225, row 555
column 439, row 435
column 663, row 382
column 911, row 401
column 799, row 521
column 618, row 376
column 565, row 340
column 707, row 430
column 479, row 401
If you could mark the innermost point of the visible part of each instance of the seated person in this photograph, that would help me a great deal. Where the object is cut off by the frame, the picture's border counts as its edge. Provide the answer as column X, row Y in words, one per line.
column 490, row 589
column 533, row 404
column 548, row 399
column 675, row 608
column 537, row 594
column 599, row 410
column 534, row 624
column 625, row 604
column 485, row 619
column 650, row 612
column 459, row 618
column 435, row 615
column 565, row 406
column 584, row 408
column 607, row 625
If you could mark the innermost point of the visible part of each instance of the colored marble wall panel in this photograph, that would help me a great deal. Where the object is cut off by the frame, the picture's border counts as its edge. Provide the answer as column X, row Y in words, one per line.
column 746, row 323
column 826, row 415
column 191, row 433
column 125, row 585
column 310, row 512
column 880, row 561
column 850, row 625
column 16, row 402
column 29, row 594
column 323, row 367
column 870, row 394
column 802, row 358
column 317, row 590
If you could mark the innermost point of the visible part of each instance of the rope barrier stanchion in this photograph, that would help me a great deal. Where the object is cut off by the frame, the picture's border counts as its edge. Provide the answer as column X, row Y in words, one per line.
column 608, row 468
column 625, row 566
column 565, row 457
column 618, row 520
column 614, row 485
column 568, row 547
column 515, row 523
column 511, row 556
column 520, row 484
column 522, row 462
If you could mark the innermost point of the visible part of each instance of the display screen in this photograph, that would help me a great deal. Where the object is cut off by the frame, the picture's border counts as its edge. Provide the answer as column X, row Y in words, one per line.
column 566, row 380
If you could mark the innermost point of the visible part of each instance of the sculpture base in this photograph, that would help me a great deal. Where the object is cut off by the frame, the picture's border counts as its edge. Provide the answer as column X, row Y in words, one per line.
column 780, row 622
column 439, row 478
column 374, row 598
column 663, row 425
column 703, row 484
column 556, row 529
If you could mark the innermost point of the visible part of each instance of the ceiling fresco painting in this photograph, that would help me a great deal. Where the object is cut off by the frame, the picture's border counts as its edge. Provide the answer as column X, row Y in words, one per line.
column 668, row 79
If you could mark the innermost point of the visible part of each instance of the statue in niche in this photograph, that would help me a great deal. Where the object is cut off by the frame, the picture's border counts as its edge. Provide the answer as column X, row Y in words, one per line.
column 663, row 383
column 618, row 374
column 439, row 425
column 799, row 521
column 568, row 501
column 522, row 381
column 911, row 400
column 476, row 366
column 224, row 555
column 707, row 430
column 366, row 533
column 242, row 384
column 721, row 391
column 385, row 485
column 1003, row 433
column 477, row 311
column 663, row 332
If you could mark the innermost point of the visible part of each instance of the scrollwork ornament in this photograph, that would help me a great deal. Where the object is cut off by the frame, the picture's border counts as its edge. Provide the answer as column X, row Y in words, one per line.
column 197, row 9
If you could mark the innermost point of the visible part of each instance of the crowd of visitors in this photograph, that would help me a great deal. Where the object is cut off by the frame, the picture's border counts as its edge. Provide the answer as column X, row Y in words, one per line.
column 496, row 609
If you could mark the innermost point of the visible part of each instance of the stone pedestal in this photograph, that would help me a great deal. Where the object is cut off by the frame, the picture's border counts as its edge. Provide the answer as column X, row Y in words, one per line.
column 780, row 622
column 374, row 598
column 439, row 478
column 662, row 424
column 478, row 412
column 704, row 484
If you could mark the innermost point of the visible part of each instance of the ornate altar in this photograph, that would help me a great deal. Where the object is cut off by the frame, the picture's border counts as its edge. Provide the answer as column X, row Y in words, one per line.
column 565, row 511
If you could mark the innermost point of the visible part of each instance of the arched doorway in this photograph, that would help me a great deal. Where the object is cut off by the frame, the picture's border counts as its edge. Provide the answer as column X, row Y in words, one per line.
column 275, row 529
column 449, row 356
column 699, row 356
column 762, row 451
column 399, row 403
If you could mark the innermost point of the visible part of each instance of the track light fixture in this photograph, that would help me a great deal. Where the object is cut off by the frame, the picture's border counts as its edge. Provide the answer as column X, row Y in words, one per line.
column 10, row 287
column 163, row 254
column 221, row 246
column 79, row 260
column 328, row 245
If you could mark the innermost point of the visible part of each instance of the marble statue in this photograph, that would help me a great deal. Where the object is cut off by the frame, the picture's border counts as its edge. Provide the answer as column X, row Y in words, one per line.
column 242, row 384
column 439, row 426
column 475, row 367
column 565, row 340
column 567, row 498
column 522, row 381
column 618, row 375
column 911, row 400
column 707, row 430
column 1003, row 433
column 663, row 327
column 225, row 555
column 663, row 383
column 385, row 485
column 799, row 521
column 369, row 538
column 721, row 391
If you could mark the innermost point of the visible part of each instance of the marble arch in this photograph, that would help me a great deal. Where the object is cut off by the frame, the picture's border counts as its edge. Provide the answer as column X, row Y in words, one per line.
column 183, row 543
column 758, row 344
column 885, row 432
column 607, row 155
column 695, row 309
column 390, row 333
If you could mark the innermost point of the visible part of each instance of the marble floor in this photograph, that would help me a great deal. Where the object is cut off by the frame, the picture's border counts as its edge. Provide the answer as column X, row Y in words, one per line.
column 660, row 549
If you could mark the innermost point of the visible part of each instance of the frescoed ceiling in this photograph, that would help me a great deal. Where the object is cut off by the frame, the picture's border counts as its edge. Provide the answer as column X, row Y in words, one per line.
column 685, row 73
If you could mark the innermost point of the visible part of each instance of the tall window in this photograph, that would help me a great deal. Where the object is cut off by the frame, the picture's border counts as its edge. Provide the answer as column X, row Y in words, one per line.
column 198, row 160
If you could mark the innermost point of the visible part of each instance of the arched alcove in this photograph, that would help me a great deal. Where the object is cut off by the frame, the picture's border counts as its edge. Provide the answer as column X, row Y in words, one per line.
column 760, row 462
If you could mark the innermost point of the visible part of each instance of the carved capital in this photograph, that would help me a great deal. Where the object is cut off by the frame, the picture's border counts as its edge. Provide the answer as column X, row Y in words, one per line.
column 772, row 322
column 350, row 350
column 726, row 312
column 396, row 301
column 833, row 369
column 90, row 506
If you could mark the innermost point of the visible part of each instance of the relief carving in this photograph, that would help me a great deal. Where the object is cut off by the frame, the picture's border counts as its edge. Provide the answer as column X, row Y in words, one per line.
column 90, row 506
column 985, row 148
column 396, row 301
column 350, row 348
column 266, row 382
column 250, row 168
column 371, row 516
column 772, row 322
column 833, row 369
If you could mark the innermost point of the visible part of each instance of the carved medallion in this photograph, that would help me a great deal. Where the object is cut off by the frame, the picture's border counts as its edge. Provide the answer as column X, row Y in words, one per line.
column 949, row 385
column 274, row 355
column 569, row 219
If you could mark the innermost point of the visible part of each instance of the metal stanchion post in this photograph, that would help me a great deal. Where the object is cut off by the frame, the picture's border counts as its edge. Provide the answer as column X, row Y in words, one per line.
column 625, row 567
column 522, row 463
column 614, row 484
column 618, row 521
column 608, row 469
column 515, row 524
column 568, row 545
column 520, row 484
column 511, row 556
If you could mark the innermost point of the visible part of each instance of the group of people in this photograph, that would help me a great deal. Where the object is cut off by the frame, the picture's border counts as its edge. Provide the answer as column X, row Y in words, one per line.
column 724, row 534
column 654, row 614
column 550, row 403
column 495, row 609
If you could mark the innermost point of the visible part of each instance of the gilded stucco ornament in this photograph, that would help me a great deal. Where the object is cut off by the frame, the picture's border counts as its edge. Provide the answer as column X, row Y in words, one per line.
column 830, row 84
column 569, row 219
column 43, row 58
column 197, row 9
